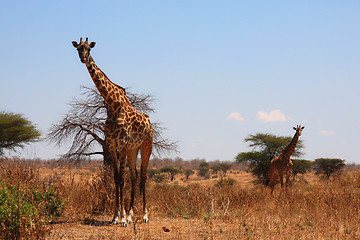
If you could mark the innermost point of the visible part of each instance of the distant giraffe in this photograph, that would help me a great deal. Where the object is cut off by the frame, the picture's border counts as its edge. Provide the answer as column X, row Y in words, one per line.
column 282, row 164
column 127, row 132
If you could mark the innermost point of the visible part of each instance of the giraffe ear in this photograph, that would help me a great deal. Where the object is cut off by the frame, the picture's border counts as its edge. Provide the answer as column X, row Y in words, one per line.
column 294, row 128
column 75, row 44
column 302, row 128
column 92, row 44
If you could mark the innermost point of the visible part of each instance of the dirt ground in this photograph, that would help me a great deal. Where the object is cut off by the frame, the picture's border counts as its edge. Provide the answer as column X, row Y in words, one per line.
column 157, row 228
column 99, row 227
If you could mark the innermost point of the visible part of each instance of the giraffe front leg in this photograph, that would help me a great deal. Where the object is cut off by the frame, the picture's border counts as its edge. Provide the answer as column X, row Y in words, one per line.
column 123, row 221
column 122, row 158
column 115, row 219
column 146, row 149
column 111, row 146
column 288, row 174
column 131, row 159
column 273, row 176
column 145, row 216
column 282, row 180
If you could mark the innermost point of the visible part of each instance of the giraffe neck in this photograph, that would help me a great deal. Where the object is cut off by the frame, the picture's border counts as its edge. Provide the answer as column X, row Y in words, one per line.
column 113, row 94
column 291, row 147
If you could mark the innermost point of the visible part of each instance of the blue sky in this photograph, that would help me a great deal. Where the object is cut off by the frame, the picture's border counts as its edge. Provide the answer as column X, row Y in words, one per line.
column 220, row 70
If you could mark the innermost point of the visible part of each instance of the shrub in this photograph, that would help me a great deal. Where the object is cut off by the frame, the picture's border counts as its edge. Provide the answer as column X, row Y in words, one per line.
column 225, row 182
column 19, row 216
column 25, row 202
column 158, row 178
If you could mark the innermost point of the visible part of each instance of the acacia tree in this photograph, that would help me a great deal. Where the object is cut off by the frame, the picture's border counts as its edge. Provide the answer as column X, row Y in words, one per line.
column 301, row 166
column 265, row 147
column 328, row 166
column 188, row 173
column 16, row 131
column 216, row 168
column 171, row 171
column 225, row 167
column 203, row 170
column 84, row 124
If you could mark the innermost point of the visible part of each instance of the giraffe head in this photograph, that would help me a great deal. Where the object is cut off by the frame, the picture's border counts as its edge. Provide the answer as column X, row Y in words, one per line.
column 298, row 129
column 83, row 49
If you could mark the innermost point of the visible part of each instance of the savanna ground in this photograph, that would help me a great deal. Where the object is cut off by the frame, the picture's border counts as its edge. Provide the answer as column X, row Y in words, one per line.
column 227, row 207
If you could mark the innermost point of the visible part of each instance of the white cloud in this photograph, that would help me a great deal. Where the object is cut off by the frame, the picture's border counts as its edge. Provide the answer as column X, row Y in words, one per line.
column 235, row 116
column 273, row 116
column 324, row 132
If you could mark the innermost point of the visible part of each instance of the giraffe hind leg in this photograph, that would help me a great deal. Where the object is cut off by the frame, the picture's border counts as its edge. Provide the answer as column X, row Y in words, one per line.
column 288, row 174
column 111, row 145
column 273, row 176
column 122, row 161
column 131, row 159
column 146, row 149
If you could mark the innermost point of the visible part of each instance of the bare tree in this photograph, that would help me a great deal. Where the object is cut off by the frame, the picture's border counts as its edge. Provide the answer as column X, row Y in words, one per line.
column 84, row 125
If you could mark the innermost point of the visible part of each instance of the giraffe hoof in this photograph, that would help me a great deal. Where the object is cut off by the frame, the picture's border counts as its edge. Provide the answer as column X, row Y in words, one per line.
column 124, row 224
column 115, row 221
column 146, row 220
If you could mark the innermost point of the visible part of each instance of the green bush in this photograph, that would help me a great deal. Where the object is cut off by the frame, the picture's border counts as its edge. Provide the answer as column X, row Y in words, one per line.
column 158, row 178
column 225, row 182
column 50, row 201
column 18, row 217
column 23, row 210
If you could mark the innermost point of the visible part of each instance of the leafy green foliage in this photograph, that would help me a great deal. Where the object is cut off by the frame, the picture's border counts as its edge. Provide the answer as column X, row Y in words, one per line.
column 158, row 178
column 152, row 172
column 188, row 173
column 203, row 172
column 22, row 211
column 204, row 165
column 16, row 214
column 225, row 182
column 302, row 166
column 15, row 131
column 25, row 201
column 328, row 166
column 224, row 167
column 216, row 168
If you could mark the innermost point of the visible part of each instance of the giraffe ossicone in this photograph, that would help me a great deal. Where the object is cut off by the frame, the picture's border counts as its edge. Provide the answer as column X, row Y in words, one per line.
column 127, row 131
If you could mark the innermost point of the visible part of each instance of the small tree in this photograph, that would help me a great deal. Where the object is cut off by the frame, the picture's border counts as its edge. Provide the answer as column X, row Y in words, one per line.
column 225, row 167
column 328, row 166
column 152, row 172
column 216, row 168
column 301, row 166
column 204, row 165
column 16, row 131
column 188, row 173
column 203, row 172
column 171, row 171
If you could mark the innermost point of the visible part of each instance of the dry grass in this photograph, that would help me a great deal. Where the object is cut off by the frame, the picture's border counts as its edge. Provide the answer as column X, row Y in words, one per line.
column 203, row 209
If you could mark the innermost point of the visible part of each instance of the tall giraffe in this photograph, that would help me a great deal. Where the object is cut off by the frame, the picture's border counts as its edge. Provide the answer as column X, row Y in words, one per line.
column 282, row 164
column 126, row 130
